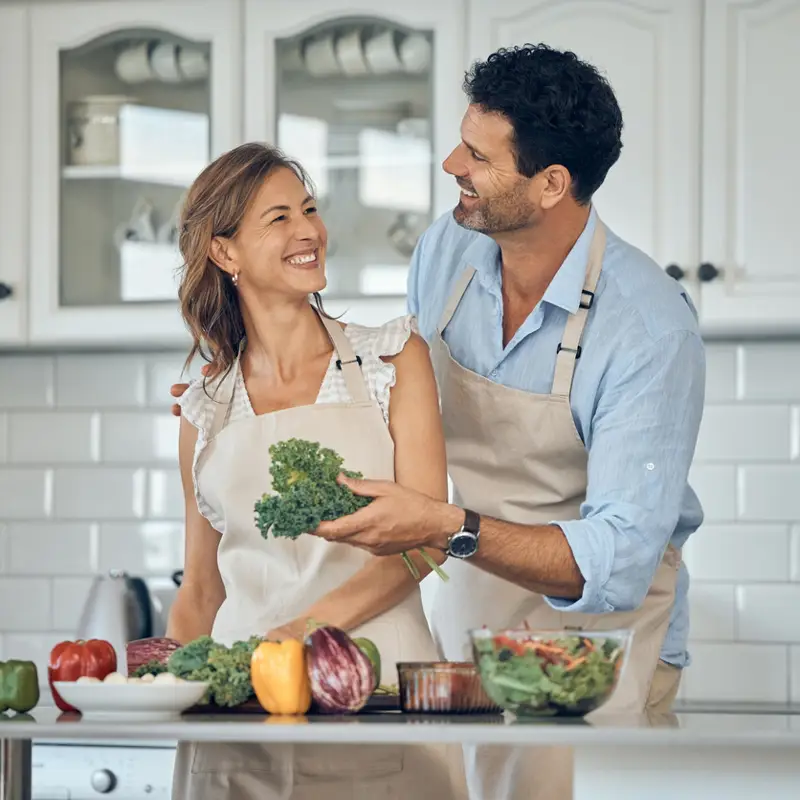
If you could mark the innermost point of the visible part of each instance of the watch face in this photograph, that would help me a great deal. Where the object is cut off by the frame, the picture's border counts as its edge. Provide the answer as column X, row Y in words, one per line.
column 463, row 545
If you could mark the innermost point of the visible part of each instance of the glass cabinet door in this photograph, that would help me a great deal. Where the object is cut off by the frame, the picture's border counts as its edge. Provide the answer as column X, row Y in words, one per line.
column 357, row 99
column 131, row 126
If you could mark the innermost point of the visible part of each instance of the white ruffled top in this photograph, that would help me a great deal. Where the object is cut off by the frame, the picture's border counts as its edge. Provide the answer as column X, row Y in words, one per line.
column 371, row 344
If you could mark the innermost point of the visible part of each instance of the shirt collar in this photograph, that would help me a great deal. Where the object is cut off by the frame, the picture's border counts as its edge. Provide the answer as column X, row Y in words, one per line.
column 564, row 290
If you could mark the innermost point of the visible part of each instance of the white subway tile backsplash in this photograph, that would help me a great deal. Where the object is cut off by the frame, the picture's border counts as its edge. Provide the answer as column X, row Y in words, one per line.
column 794, row 553
column 767, row 613
column 25, row 493
column 25, row 604
column 163, row 371
column 69, row 597
column 769, row 492
column 762, row 433
column 794, row 695
column 713, row 616
column 715, row 485
column 97, row 493
column 725, row 552
column 146, row 548
column 100, row 381
column 130, row 438
column 720, row 372
column 35, row 647
column 53, row 437
column 89, row 482
column 51, row 548
column 737, row 673
column 769, row 371
column 27, row 381
column 166, row 494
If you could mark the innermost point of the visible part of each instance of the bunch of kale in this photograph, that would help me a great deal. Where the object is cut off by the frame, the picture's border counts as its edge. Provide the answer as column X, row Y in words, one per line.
column 306, row 492
column 226, row 669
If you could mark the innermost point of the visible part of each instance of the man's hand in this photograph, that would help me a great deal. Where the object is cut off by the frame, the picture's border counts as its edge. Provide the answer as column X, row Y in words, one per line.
column 397, row 520
column 177, row 390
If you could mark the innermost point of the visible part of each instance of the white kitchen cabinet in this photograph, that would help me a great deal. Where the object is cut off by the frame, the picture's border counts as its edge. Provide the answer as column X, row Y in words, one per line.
column 14, row 94
column 707, row 177
column 367, row 97
column 129, row 100
column 750, row 166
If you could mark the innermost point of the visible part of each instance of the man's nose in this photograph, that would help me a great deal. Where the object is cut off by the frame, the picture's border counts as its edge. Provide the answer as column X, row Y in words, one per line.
column 454, row 164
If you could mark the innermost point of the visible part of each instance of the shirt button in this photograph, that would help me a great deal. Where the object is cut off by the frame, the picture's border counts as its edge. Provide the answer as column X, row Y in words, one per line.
column 493, row 373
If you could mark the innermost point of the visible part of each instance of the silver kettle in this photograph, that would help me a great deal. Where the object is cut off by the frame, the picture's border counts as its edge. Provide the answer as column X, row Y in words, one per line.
column 118, row 609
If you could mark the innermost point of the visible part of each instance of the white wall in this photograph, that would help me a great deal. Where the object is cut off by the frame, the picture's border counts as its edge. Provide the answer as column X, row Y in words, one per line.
column 89, row 481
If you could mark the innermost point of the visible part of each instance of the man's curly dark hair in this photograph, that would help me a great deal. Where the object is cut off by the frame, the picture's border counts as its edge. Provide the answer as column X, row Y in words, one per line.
column 562, row 110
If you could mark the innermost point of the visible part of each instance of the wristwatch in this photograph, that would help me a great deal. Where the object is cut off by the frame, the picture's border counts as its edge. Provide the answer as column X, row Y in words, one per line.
column 464, row 542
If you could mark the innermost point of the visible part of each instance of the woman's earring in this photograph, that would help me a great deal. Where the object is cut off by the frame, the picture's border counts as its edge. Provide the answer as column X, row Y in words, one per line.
column 235, row 278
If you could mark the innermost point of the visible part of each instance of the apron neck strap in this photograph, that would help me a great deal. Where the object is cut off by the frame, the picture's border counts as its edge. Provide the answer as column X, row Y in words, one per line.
column 569, row 350
column 455, row 297
column 223, row 395
column 347, row 361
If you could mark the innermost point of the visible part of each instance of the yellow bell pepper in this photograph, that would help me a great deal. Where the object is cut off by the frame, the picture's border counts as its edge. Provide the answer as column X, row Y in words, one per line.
column 280, row 678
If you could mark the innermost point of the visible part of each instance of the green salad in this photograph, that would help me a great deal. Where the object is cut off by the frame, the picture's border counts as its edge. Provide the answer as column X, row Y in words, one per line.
column 546, row 677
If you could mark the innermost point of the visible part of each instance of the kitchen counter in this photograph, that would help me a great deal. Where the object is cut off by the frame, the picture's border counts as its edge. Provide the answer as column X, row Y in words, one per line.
column 697, row 755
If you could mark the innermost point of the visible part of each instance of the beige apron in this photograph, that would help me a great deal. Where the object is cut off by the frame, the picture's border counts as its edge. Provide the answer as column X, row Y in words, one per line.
column 517, row 456
column 269, row 582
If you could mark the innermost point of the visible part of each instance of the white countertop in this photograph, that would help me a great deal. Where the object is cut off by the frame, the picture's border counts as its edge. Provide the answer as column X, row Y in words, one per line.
column 692, row 729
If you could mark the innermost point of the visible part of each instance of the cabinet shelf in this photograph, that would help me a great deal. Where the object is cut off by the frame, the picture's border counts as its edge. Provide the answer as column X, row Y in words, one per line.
column 120, row 173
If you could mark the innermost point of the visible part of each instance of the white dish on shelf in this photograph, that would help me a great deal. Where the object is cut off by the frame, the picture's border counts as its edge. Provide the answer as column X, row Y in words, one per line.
column 131, row 702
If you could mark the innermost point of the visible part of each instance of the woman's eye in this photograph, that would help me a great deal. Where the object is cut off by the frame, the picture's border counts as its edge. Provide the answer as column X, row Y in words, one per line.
column 311, row 210
column 280, row 218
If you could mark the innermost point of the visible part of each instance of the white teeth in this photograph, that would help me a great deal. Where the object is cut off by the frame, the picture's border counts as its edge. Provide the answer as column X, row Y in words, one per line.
column 468, row 194
column 306, row 259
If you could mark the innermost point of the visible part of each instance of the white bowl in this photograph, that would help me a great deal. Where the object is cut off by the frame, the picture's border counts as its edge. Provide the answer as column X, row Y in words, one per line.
column 131, row 702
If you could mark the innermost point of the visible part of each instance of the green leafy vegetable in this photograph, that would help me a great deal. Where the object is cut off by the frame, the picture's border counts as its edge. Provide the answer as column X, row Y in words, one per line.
column 306, row 493
column 572, row 675
column 226, row 669
column 150, row 668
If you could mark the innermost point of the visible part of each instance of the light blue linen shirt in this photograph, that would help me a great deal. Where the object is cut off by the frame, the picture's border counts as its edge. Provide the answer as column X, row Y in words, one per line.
column 637, row 398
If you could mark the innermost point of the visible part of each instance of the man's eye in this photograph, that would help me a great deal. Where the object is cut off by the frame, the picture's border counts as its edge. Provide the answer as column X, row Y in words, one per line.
column 477, row 157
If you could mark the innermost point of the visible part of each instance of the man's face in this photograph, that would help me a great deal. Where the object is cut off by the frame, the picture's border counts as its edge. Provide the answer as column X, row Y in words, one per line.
column 495, row 197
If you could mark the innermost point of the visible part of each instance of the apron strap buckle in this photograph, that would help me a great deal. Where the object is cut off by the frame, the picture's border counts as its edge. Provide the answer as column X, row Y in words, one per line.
column 587, row 303
column 339, row 362
column 569, row 350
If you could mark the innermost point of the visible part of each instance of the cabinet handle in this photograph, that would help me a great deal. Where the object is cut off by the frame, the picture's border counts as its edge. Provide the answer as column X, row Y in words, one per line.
column 674, row 271
column 707, row 272
column 5, row 291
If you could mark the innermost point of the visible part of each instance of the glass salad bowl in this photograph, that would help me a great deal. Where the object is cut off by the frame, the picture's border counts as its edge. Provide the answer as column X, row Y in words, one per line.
column 550, row 673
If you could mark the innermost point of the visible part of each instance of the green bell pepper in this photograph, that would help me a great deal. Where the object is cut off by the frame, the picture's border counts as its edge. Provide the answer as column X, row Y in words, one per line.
column 19, row 686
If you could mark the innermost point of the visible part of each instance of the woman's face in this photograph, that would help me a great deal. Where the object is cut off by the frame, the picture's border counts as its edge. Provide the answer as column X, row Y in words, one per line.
column 280, row 245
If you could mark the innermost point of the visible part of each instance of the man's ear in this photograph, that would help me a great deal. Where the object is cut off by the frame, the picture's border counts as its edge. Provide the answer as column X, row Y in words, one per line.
column 220, row 254
column 556, row 185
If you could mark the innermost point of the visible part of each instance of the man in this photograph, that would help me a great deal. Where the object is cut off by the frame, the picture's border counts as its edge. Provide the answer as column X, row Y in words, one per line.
column 572, row 374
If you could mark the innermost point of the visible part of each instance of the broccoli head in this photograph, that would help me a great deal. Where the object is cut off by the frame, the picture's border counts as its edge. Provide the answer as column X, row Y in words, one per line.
column 225, row 669
column 191, row 657
column 306, row 492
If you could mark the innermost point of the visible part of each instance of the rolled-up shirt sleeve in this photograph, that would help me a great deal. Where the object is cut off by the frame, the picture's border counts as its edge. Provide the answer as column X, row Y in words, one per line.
column 640, row 448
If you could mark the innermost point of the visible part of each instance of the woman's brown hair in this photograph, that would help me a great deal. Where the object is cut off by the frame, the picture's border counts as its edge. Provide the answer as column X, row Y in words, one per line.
column 214, row 206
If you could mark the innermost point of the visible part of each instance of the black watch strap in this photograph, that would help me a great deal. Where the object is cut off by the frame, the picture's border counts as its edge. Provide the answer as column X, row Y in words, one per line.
column 472, row 521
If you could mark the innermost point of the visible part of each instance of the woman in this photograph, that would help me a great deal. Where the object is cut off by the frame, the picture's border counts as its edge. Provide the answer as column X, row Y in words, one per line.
column 254, row 251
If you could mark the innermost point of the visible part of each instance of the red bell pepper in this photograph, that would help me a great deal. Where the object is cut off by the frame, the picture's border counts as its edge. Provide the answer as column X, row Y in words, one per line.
column 69, row 661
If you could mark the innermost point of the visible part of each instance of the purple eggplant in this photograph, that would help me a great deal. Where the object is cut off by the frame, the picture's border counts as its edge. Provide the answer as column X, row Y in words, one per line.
column 341, row 675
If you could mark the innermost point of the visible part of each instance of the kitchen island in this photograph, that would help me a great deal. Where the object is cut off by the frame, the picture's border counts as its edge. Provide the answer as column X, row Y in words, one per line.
column 694, row 756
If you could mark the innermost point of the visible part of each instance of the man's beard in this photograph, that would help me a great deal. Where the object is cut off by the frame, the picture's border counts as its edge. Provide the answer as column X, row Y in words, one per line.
column 510, row 211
